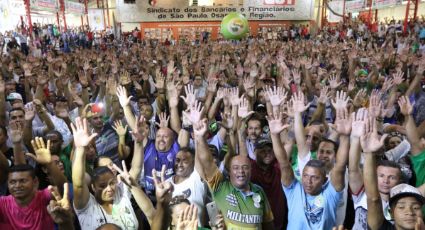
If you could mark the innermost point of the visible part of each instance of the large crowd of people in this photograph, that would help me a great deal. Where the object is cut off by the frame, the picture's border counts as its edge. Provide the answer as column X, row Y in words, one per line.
column 300, row 130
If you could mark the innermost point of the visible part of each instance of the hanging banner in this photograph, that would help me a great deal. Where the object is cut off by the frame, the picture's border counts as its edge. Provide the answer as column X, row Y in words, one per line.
column 74, row 7
column 337, row 7
column 96, row 20
column 182, row 10
column 377, row 4
column 354, row 5
column 44, row 5
column 10, row 12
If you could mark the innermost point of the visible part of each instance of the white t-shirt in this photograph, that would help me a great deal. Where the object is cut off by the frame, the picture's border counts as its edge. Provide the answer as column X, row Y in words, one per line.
column 194, row 189
column 360, row 207
column 93, row 215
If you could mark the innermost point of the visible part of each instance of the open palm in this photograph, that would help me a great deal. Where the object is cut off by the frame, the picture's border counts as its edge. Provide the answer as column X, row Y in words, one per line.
column 42, row 152
column 81, row 133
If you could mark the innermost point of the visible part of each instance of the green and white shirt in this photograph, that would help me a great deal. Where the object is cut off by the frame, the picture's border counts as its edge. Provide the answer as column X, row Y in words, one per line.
column 245, row 211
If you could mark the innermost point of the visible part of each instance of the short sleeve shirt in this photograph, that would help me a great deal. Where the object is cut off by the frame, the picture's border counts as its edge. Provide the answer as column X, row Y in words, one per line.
column 311, row 212
column 34, row 216
column 240, row 211
column 154, row 160
column 93, row 215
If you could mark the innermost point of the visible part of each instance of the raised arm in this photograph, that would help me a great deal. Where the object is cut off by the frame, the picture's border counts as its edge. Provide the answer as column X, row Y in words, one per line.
column 125, row 104
column 276, row 127
column 163, row 193
column 16, row 134
column 173, row 102
column 121, row 130
column 299, row 107
column 371, row 142
column 139, row 136
column 138, row 194
column 203, row 155
column 343, row 127
column 406, row 109
column 81, row 140
column 355, row 175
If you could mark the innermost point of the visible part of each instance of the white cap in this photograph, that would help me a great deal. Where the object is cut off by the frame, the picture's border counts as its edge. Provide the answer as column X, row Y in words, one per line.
column 404, row 190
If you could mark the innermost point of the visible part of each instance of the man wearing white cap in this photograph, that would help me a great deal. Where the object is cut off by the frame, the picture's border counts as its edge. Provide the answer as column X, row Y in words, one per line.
column 405, row 202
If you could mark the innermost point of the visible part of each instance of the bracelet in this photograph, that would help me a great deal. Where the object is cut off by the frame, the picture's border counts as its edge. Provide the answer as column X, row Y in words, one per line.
column 379, row 119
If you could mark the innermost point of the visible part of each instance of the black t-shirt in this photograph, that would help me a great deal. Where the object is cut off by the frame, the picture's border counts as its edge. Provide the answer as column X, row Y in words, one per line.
column 386, row 225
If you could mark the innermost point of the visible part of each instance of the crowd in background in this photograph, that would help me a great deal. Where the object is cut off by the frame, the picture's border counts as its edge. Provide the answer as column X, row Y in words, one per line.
column 290, row 129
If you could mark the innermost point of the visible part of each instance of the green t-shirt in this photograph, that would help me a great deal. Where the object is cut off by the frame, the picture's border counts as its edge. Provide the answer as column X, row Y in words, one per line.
column 294, row 161
column 64, row 156
column 240, row 211
column 418, row 162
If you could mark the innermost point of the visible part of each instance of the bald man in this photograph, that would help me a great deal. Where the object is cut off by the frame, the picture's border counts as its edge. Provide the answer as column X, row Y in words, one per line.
column 243, row 204
column 158, row 152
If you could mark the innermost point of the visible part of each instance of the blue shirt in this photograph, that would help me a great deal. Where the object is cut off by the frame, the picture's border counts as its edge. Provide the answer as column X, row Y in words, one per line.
column 311, row 212
column 107, row 143
column 154, row 160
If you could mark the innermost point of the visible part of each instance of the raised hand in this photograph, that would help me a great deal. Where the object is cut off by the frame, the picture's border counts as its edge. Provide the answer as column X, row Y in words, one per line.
column 371, row 141
column 234, row 96
column 276, row 123
column 80, row 132
column 188, row 219
column 324, row 95
column 29, row 112
column 15, row 132
column 200, row 128
column 248, row 83
column 297, row 76
column 42, row 152
column 398, row 78
column 360, row 98
column 334, row 82
column 62, row 202
column 195, row 113
column 341, row 100
column 406, row 107
column 160, row 81
column 343, row 121
column 227, row 121
column 138, row 133
column 388, row 84
column 221, row 93
column 119, row 128
column 243, row 111
column 298, row 103
column 190, row 96
column 375, row 104
column 123, row 175
column 212, row 85
column 60, row 207
column 358, row 123
column 122, row 96
column 163, row 120
column 163, row 188
column 276, row 95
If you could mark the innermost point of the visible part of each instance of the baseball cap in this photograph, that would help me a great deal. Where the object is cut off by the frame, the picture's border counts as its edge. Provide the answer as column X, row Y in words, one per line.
column 14, row 96
column 405, row 190
column 263, row 143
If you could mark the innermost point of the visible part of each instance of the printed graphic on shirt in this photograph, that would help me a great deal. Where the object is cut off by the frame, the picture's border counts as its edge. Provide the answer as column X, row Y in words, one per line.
column 314, row 212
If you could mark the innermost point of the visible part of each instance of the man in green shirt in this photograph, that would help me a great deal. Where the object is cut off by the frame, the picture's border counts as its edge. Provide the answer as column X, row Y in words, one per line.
column 243, row 204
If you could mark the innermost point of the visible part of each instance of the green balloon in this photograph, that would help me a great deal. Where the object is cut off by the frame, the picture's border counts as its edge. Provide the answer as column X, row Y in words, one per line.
column 234, row 26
